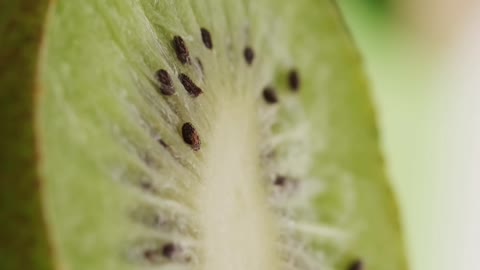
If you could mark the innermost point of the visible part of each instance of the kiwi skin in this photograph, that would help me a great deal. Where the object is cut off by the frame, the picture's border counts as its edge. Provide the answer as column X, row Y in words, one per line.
column 24, row 243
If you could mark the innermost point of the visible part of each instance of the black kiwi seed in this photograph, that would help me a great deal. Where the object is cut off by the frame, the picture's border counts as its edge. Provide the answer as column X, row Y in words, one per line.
column 168, row 250
column 191, row 87
column 206, row 38
column 190, row 136
column 270, row 95
column 355, row 265
column 166, row 84
column 249, row 55
column 163, row 77
column 280, row 180
column 294, row 80
column 181, row 50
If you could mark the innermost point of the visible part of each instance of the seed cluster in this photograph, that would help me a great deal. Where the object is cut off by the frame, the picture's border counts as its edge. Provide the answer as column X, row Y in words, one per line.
column 171, row 251
column 167, row 88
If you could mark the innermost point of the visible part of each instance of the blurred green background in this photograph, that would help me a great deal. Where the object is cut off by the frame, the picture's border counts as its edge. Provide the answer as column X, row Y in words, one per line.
column 422, row 63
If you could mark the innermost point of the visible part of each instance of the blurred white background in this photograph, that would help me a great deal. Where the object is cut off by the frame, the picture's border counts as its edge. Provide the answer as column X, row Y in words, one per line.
column 462, row 128
column 423, row 58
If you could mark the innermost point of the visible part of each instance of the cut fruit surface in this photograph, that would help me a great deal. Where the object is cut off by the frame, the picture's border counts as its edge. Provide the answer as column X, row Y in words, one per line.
column 209, row 135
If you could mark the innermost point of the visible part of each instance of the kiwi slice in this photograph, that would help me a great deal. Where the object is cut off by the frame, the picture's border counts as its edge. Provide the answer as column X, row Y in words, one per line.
column 186, row 134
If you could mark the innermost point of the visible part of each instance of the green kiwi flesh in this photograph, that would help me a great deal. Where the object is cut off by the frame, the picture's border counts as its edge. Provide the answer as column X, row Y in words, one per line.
column 258, row 150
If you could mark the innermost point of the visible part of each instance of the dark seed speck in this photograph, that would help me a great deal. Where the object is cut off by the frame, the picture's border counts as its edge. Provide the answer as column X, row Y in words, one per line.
column 200, row 64
column 280, row 180
column 249, row 55
column 191, row 87
column 163, row 77
column 162, row 143
column 206, row 38
column 356, row 265
column 270, row 95
column 166, row 84
column 294, row 80
column 146, row 185
column 190, row 136
column 181, row 50
column 150, row 254
column 168, row 250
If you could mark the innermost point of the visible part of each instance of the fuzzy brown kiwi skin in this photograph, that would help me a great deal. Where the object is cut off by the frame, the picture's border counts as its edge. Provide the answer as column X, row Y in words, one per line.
column 24, row 241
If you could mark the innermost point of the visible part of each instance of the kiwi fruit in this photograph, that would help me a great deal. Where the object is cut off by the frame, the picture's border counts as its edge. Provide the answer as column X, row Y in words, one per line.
column 185, row 134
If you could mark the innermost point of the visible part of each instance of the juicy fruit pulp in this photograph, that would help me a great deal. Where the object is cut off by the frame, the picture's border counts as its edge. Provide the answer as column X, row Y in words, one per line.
column 210, row 135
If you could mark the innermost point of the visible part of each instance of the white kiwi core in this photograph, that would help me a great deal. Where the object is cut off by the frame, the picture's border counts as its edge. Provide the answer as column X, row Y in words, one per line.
column 238, row 228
